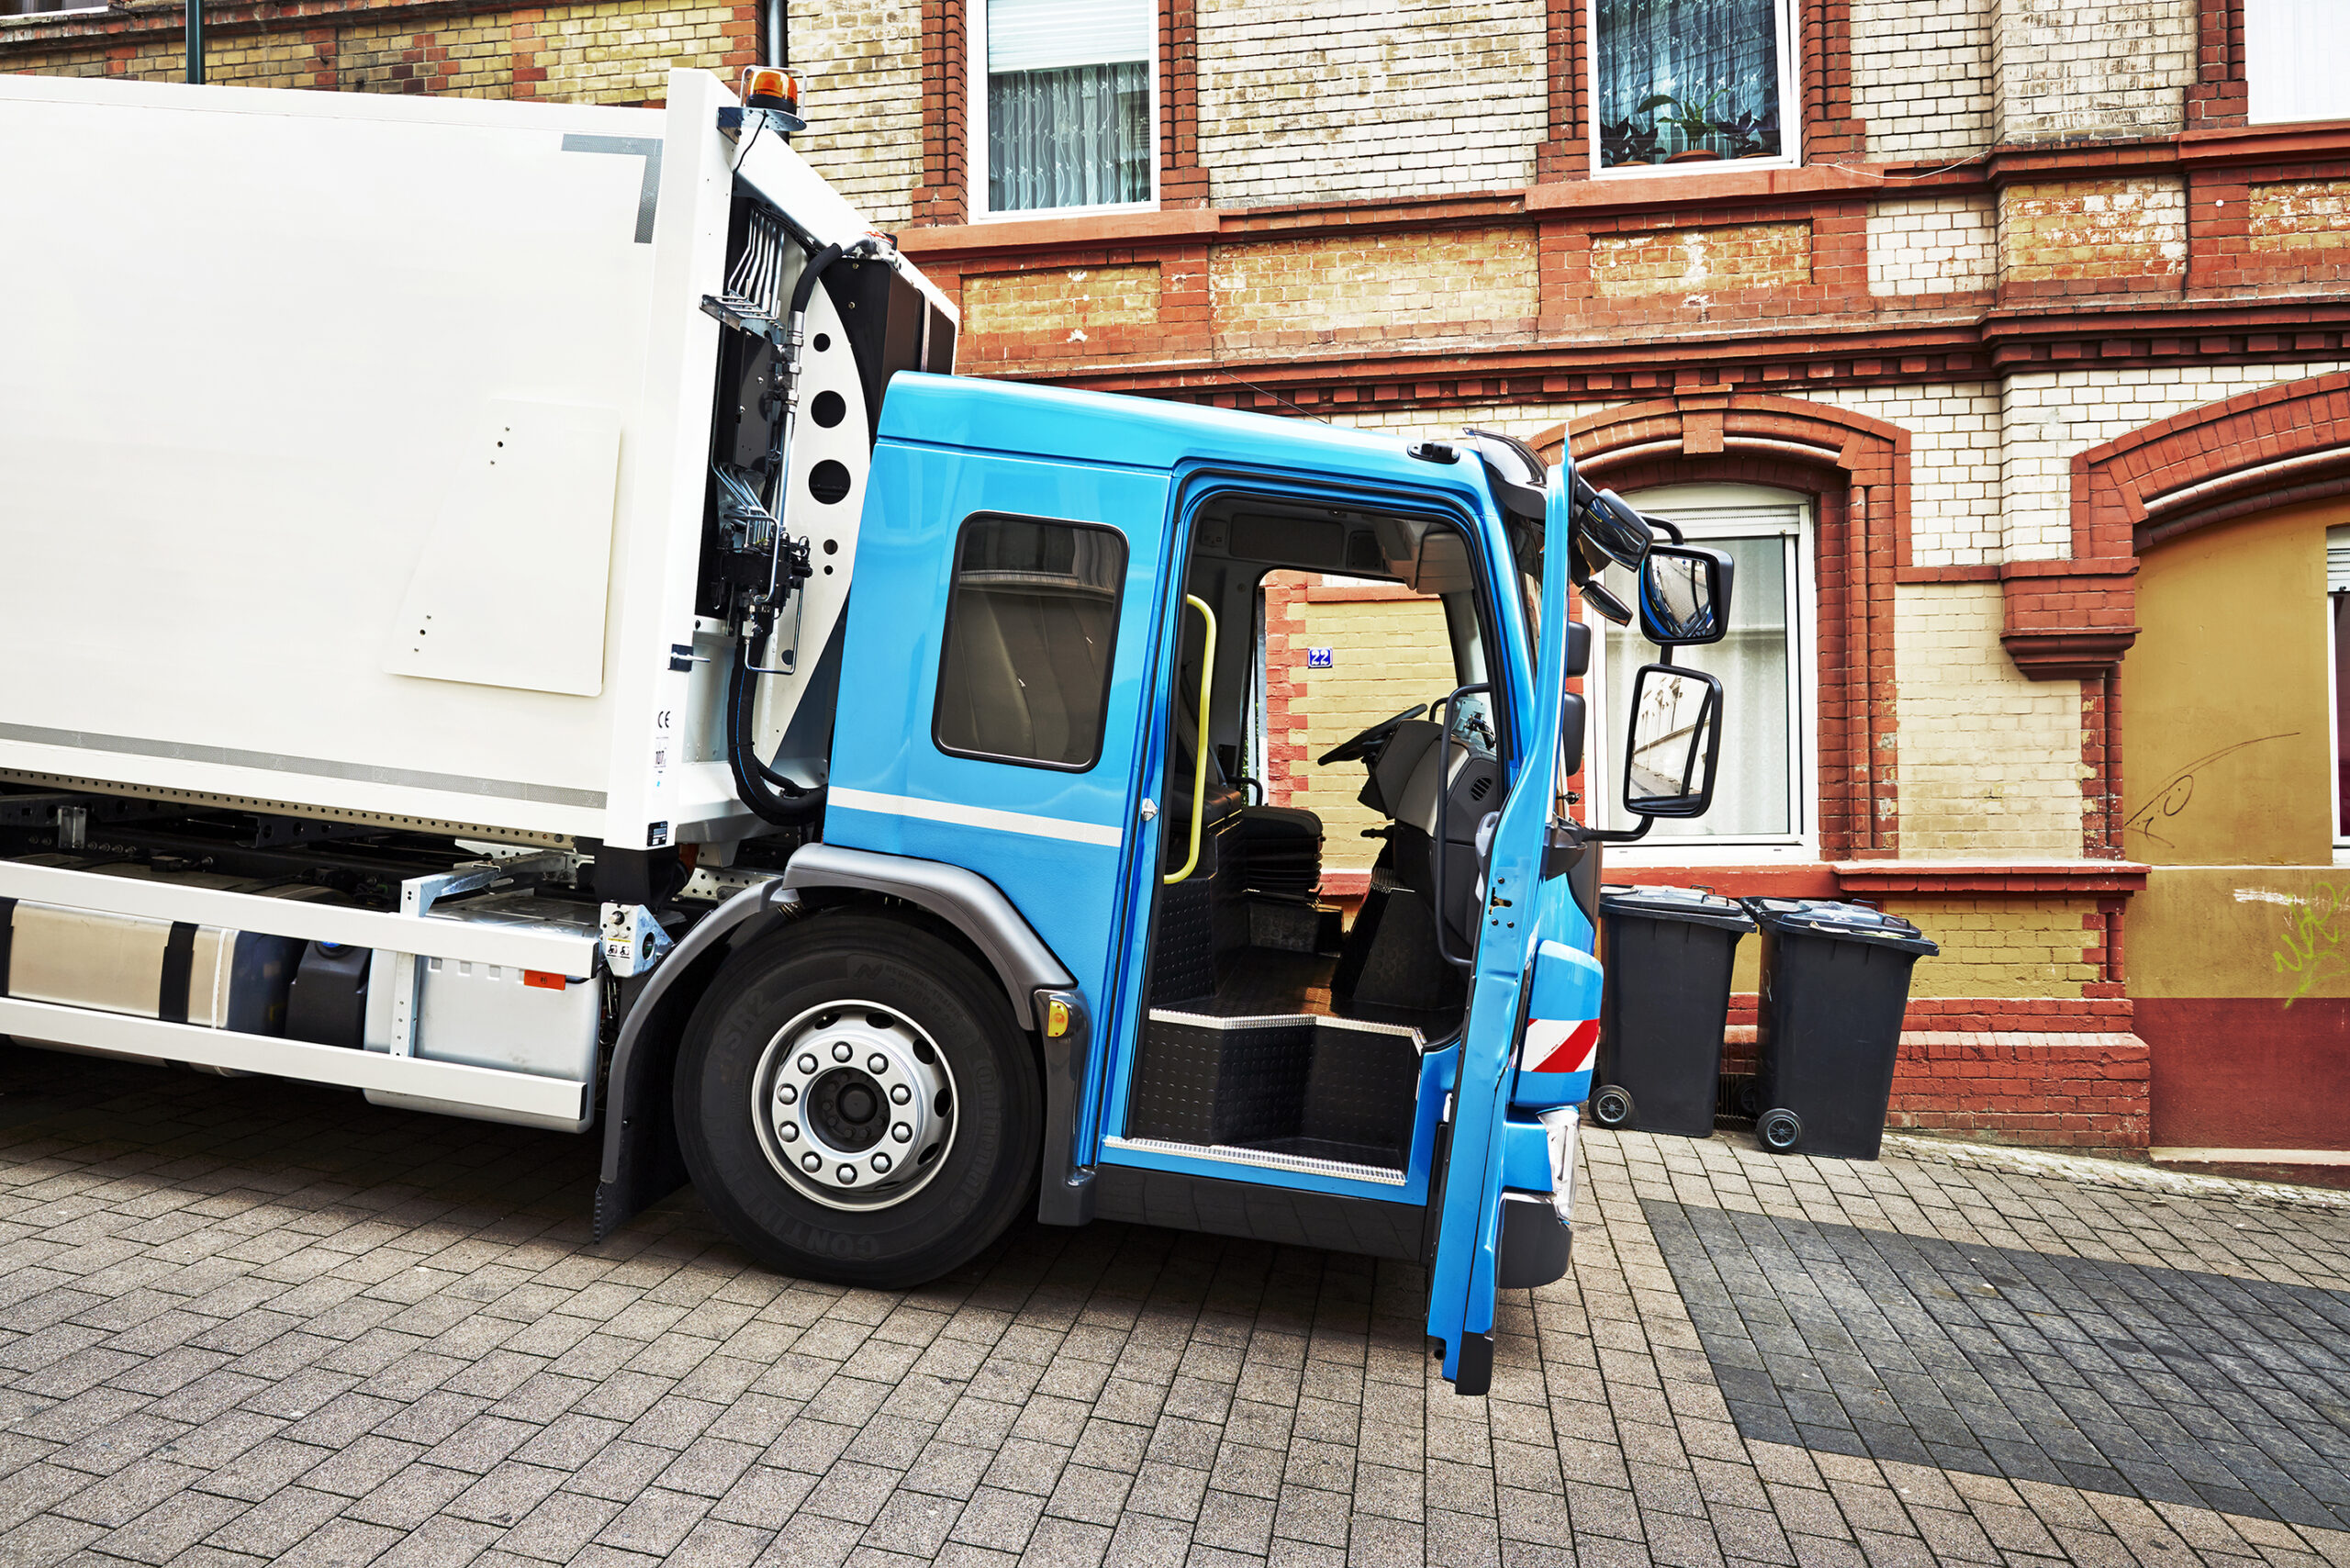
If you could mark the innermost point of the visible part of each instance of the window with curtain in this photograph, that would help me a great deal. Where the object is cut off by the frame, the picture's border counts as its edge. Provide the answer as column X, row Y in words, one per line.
column 1688, row 81
column 1068, row 102
column 1762, row 792
column 2292, row 60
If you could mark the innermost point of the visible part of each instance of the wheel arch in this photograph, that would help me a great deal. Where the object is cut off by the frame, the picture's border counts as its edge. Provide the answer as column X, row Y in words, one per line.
column 642, row 1163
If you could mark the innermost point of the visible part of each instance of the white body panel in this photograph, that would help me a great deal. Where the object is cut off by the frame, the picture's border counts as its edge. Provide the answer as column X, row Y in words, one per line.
column 258, row 369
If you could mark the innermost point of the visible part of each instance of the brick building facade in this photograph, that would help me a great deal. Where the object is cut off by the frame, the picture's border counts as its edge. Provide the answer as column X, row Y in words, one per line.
column 2013, row 329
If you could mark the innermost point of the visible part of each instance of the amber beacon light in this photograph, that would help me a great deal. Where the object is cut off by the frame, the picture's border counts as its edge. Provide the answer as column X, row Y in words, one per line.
column 775, row 90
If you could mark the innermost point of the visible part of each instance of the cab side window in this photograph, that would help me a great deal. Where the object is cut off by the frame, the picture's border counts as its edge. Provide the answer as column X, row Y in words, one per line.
column 1031, row 622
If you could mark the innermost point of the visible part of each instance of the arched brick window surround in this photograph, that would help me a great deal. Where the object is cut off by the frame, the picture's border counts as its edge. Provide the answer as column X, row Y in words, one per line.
column 1855, row 470
column 2269, row 447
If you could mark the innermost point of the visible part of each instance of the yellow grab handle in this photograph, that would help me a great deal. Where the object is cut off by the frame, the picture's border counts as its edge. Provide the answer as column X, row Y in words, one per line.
column 1200, row 758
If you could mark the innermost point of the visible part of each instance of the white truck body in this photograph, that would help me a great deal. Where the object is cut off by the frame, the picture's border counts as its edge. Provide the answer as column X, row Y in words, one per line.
column 353, row 453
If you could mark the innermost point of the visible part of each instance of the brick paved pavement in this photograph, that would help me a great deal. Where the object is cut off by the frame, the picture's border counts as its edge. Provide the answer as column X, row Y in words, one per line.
column 245, row 1321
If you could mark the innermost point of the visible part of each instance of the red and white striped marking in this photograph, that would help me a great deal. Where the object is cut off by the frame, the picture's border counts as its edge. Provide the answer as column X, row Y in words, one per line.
column 1561, row 1045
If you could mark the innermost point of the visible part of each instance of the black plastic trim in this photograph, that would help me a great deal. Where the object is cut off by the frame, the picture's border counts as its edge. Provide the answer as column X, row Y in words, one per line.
column 1063, row 1189
column 1533, row 1240
column 179, row 965
column 1283, row 1216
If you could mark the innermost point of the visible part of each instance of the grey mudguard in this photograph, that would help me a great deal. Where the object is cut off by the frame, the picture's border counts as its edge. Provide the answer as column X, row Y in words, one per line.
column 642, row 1164
column 965, row 900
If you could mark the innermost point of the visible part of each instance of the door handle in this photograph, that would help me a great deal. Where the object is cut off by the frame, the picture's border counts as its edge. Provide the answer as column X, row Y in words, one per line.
column 1200, row 751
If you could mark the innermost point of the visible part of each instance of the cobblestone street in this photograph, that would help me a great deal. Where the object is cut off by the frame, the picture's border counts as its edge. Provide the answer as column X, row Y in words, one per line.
column 243, row 1321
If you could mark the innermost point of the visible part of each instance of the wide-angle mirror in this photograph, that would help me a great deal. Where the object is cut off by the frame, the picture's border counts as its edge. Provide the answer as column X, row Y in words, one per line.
column 1685, row 595
column 1675, row 743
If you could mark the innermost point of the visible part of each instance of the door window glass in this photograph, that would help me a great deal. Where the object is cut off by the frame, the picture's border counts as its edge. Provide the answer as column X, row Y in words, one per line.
column 1024, row 672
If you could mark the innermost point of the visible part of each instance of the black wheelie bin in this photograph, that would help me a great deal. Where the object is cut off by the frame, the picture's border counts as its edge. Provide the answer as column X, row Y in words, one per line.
column 1835, row 983
column 1669, row 952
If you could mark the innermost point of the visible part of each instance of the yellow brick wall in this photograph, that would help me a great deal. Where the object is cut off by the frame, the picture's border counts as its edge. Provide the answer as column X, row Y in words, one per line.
column 461, row 59
column 1388, row 654
column 860, row 72
column 1429, row 287
column 1688, row 261
column 2298, row 215
column 616, row 52
column 2080, row 231
column 1990, row 760
column 620, row 53
column 1059, row 301
column 2001, row 947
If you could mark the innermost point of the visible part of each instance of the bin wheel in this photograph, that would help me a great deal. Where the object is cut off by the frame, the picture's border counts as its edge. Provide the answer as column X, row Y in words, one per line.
column 1749, row 1098
column 1780, row 1130
column 1612, row 1107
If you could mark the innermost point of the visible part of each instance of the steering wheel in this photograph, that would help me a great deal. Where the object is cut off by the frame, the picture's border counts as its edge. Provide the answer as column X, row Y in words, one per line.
column 1370, row 739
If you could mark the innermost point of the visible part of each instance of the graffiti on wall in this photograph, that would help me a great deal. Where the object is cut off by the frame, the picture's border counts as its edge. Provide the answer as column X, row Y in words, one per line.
column 2173, row 796
column 2311, row 947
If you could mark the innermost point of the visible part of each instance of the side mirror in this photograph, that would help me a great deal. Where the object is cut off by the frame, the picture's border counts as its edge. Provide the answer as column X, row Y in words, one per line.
column 1611, row 529
column 1685, row 595
column 1675, row 744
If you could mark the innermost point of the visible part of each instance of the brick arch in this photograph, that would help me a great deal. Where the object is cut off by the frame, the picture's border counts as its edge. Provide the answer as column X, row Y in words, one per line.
column 2261, row 449
column 2269, row 447
column 1856, row 469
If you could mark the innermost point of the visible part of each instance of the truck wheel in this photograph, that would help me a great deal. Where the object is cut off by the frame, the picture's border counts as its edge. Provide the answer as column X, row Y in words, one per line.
column 855, row 1103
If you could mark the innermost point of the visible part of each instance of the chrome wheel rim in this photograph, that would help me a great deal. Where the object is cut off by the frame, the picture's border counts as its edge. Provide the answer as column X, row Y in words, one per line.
column 855, row 1105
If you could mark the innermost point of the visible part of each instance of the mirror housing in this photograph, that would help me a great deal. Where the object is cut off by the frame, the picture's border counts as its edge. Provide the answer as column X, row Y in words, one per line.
column 1685, row 595
column 1609, row 528
column 1675, row 742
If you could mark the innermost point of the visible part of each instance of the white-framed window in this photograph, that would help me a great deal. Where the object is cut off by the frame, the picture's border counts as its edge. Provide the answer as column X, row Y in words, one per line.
column 1767, row 791
column 1064, row 106
column 47, row 8
column 2337, row 680
column 2293, row 61
column 1682, row 84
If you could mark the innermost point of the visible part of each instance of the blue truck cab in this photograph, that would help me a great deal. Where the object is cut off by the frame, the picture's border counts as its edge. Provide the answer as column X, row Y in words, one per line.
column 1039, row 949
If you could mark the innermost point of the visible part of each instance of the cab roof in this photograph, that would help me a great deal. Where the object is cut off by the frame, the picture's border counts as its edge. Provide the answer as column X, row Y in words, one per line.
column 1150, row 432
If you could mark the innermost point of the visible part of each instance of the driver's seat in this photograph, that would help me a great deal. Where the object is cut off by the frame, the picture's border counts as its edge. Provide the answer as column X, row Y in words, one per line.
column 1280, row 848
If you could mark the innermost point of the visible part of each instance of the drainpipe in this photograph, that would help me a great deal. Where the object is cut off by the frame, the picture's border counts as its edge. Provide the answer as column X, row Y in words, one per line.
column 779, row 50
column 195, row 38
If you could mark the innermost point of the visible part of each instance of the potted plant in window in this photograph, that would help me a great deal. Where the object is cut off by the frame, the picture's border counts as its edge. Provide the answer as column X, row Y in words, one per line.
column 1622, row 142
column 1702, row 136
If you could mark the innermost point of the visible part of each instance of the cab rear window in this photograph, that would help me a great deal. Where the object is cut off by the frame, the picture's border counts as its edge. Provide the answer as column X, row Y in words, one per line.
column 1031, row 617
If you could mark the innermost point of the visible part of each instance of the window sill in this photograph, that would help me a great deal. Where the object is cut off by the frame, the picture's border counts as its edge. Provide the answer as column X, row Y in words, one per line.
column 1688, row 184
column 1092, row 225
column 2276, row 143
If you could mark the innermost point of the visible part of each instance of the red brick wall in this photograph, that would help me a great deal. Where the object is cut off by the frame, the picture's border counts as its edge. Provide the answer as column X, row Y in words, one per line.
column 2052, row 1090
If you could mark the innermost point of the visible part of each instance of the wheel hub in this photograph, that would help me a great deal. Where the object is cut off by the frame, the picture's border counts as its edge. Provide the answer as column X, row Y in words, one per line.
column 854, row 1105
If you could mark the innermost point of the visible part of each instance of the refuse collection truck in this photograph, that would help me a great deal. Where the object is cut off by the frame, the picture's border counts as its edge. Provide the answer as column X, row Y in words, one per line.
column 508, row 609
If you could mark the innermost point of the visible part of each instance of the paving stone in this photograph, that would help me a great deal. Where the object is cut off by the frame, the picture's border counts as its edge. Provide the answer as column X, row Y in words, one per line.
column 242, row 1322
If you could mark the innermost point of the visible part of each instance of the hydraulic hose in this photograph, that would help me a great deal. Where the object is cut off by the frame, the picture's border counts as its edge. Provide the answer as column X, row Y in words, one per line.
column 754, row 780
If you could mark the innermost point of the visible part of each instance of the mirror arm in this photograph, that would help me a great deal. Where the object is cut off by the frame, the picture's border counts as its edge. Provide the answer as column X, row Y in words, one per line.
column 1584, row 836
column 1443, row 817
column 1665, row 526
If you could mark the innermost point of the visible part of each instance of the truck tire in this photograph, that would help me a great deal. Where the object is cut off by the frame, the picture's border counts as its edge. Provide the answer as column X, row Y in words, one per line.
column 855, row 1103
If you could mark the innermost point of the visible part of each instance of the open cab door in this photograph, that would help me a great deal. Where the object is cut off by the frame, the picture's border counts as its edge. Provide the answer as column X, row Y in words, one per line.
column 1532, row 1030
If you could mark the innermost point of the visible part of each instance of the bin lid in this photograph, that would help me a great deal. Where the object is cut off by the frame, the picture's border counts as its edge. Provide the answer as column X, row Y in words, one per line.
column 1691, row 906
column 1841, row 922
